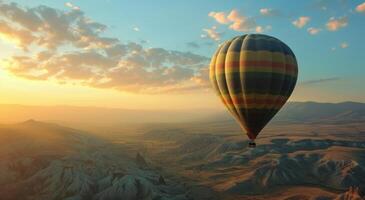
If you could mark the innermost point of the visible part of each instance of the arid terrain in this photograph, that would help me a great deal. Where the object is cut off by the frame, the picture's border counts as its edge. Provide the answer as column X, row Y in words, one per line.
column 310, row 151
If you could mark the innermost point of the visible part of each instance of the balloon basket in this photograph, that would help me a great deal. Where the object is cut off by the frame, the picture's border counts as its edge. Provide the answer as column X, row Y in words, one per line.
column 251, row 144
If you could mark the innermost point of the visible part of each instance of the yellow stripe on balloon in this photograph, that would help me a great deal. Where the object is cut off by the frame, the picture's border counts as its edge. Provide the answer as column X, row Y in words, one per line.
column 254, row 101
column 253, row 106
column 257, row 69
column 256, row 56
column 257, row 95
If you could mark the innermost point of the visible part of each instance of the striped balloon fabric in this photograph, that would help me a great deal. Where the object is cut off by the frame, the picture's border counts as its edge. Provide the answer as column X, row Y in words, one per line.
column 254, row 75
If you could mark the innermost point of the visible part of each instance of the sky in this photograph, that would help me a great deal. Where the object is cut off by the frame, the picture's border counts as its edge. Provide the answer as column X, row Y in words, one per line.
column 155, row 54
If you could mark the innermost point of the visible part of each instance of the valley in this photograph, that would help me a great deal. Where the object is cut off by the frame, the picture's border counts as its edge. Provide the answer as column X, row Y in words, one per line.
column 205, row 160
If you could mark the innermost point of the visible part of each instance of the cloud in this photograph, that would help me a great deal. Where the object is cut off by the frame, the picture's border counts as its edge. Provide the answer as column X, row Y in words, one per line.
column 301, row 21
column 72, row 6
column 240, row 22
column 344, row 45
column 329, row 5
column 313, row 31
column 236, row 21
column 136, row 29
column 69, row 47
column 50, row 28
column 212, row 33
column 265, row 11
column 193, row 45
column 269, row 12
column 361, row 8
column 220, row 17
column 335, row 24
column 259, row 29
column 322, row 80
column 18, row 36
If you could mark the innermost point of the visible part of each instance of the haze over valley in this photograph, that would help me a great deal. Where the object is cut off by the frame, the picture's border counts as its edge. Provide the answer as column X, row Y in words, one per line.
column 189, row 160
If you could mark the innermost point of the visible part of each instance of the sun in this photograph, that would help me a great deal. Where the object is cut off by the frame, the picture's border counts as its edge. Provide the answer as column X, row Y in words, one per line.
column 10, row 39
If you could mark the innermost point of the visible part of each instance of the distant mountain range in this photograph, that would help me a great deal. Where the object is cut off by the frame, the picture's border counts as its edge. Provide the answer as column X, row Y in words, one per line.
column 309, row 112
column 313, row 111
column 70, row 115
column 11, row 113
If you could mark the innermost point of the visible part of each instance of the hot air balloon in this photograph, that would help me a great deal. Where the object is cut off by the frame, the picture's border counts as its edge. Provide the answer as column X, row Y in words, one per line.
column 253, row 75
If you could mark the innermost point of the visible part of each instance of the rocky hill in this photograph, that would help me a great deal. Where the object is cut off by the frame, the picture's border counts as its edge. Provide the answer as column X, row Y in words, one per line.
column 323, row 160
column 41, row 161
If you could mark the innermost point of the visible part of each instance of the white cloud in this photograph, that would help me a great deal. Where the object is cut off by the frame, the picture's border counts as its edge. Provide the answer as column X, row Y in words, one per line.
column 344, row 45
column 236, row 21
column 335, row 24
column 91, row 59
column 72, row 6
column 314, row 31
column 136, row 29
column 219, row 17
column 259, row 29
column 269, row 12
column 240, row 22
column 212, row 33
column 265, row 11
column 361, row 8
column 301, row 21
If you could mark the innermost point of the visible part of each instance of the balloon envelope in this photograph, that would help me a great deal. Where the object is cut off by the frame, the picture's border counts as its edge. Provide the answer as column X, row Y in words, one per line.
column 254, row 75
